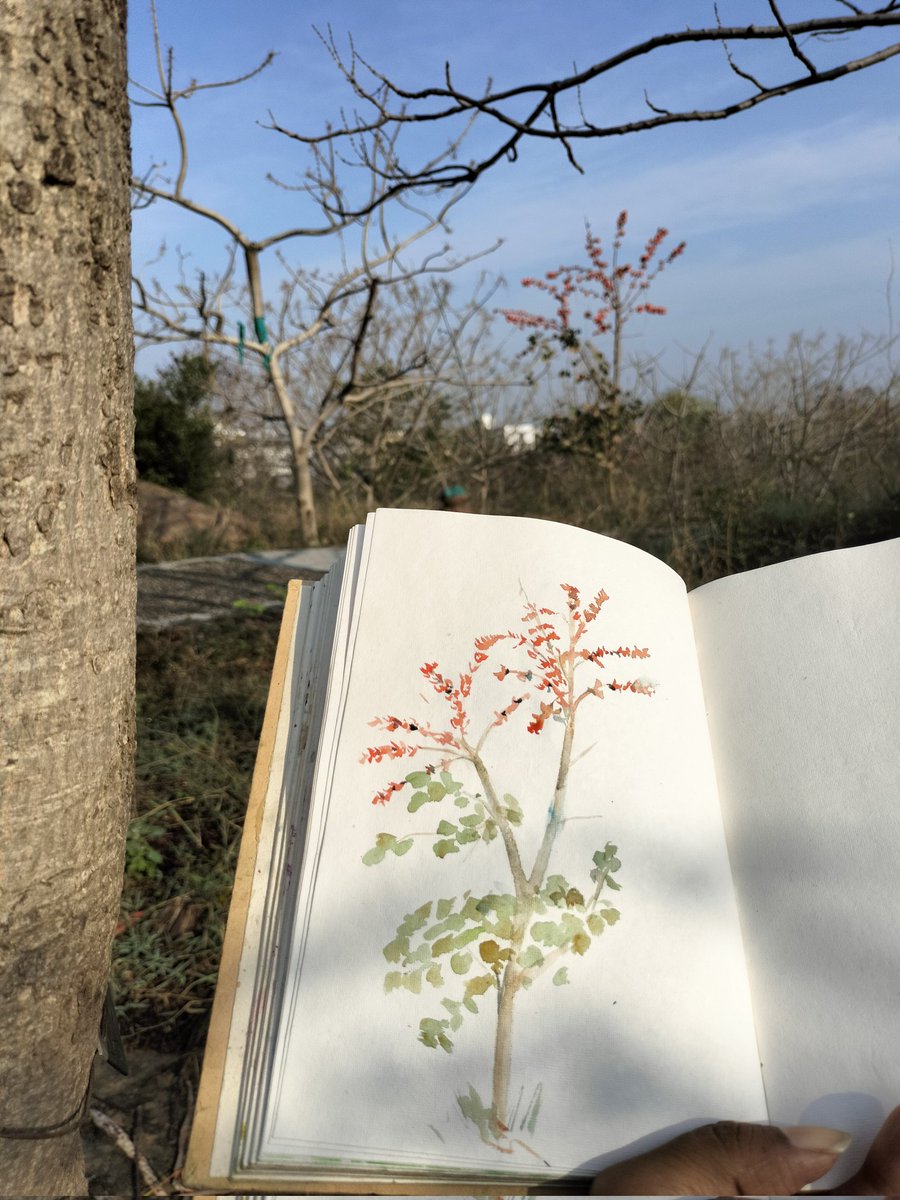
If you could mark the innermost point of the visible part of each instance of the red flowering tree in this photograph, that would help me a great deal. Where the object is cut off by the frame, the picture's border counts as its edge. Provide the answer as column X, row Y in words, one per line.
column 619, row 288
column 499, row 943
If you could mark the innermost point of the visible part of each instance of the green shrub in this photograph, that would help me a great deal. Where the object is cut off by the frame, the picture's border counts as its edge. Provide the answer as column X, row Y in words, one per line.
column 174, row 435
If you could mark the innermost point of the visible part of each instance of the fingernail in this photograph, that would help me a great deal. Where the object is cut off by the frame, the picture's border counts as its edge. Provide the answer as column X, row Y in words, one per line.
column 817, row 1137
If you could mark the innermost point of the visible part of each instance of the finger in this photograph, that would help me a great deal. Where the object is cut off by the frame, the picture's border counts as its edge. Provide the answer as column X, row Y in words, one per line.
column 880, row 1173
column 729, row 1158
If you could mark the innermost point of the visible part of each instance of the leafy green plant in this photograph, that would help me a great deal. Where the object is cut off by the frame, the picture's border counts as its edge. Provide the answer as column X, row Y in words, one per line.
column 174, row 432
column 201, row 695
column 142, row 859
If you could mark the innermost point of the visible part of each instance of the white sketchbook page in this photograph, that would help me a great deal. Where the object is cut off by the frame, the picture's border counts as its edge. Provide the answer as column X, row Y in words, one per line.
column 654, row 1030
column 799, row 664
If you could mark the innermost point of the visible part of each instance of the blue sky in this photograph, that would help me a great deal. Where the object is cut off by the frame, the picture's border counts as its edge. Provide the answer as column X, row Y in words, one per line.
column 790, row 212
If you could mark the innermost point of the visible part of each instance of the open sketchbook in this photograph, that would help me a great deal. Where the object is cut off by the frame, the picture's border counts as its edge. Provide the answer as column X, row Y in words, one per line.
column 547, row 861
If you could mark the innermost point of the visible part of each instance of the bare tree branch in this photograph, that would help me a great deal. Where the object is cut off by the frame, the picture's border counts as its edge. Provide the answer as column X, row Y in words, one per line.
column 389, row 107
column 791, row 39
column 313, row 346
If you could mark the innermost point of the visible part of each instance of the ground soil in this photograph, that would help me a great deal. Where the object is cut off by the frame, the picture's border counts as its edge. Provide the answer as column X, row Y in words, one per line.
column 201, row 589
column 153, row 1104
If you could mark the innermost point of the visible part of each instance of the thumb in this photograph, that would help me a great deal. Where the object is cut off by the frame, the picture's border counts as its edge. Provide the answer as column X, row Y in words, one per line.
column 728, row 1159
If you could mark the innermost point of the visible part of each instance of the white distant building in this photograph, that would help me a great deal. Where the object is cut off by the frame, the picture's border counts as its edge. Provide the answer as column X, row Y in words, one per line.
column 520, row 437
column 517, row 437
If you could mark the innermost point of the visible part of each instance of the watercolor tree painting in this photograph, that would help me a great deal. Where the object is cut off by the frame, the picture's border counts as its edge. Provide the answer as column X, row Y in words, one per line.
column 498, row 944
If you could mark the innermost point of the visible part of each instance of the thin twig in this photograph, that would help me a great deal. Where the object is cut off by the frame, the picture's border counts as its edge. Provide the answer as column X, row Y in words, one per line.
column 112, row 1129
column 791, row 40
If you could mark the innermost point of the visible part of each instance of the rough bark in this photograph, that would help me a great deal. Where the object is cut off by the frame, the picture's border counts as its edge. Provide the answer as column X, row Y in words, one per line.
column 67, row 590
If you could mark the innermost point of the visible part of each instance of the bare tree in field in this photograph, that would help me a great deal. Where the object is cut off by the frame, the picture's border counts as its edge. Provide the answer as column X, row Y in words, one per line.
column 568, row 111
column 67, row 586
column 281, row 325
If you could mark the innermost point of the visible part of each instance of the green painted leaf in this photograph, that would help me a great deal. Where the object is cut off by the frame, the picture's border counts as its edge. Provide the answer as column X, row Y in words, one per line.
column 422, row 954
column 489, row 951
column 456, row 1017
column 432, row 1033
column 446, row 829
column 449, row 782
column 394, row 951
column 373, row 856
column 412, row 981
column 467, row 835
column 555, row 883
column 460, row 963
column 444, row 908
column 512, row 810
column 470, row 1004
column 505, row 929
column 392, row 980
column 414, row 921
column 611, row 915
column 418, row 779
column 467, row 935
column 402, row 847
column 596, row 923
column 581, row 943
column 471, row 820
column 385, row 840
column 606, row 858
column 443, row 945
column 489, row 832
column 445, row 847
column 561, row 976
column 500, row 906
column 416, row 801
column 548, row 933
column 478, row 986
column 436, row 791
column 434, row 976
column 451, row 924
column 532, row 957
column 610, row 882
column 461, row 801
column 557, row 933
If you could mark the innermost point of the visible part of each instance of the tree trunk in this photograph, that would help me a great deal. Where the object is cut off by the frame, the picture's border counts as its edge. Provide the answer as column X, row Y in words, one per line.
column 67, row 597
column 301, row 455
column 306, row 499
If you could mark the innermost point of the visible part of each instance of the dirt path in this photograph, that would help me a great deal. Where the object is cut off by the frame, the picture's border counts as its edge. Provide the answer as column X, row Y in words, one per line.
column 201, row 589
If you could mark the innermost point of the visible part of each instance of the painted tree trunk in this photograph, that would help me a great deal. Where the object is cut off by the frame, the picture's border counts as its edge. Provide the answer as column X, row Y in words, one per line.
column 67, row 579
column 503, row 1051
column 511, row 979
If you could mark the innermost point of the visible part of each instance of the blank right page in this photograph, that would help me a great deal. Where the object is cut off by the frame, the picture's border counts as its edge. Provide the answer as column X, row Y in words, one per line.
column 800, row 669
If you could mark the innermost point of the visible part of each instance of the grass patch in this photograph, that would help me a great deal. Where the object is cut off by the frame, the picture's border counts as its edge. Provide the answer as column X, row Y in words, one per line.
column 201, row 693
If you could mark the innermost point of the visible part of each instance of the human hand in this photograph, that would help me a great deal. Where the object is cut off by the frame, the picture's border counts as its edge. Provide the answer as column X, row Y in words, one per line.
column 732, row 1159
